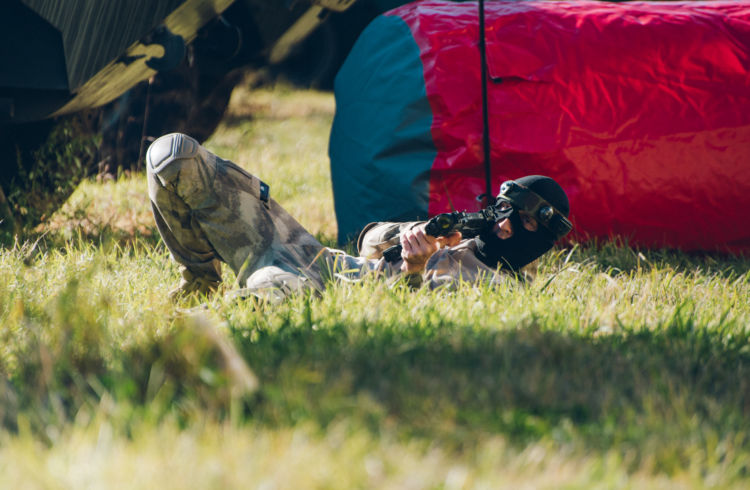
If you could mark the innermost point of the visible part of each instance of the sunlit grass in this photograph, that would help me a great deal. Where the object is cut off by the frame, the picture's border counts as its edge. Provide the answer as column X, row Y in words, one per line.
column 118, row 210
column 615, row 368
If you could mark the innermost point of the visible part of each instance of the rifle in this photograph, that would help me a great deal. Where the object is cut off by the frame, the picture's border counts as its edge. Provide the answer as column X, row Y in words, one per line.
column 472, row 224
column 469, row 224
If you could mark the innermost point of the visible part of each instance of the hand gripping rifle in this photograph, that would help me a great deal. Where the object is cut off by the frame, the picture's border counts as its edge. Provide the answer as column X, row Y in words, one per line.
column 469, row 224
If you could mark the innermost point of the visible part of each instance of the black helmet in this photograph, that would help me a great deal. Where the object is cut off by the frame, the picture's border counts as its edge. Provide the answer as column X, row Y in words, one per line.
column 541, row 198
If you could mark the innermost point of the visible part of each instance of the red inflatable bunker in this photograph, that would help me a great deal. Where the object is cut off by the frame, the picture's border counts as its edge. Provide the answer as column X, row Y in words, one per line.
column 640, row 110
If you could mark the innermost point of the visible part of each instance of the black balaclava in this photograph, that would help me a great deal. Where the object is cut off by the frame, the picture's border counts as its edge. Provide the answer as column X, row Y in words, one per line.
column 524, row 246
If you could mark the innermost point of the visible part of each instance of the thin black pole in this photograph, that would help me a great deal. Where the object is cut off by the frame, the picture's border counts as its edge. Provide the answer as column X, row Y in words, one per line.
column 485, row 111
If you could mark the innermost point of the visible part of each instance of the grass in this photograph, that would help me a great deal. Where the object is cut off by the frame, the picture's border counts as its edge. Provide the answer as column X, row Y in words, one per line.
column 616, row 368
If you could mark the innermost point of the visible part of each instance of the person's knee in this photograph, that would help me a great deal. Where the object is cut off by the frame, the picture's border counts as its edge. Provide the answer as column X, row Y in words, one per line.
column 168, row 149
column 182, row 166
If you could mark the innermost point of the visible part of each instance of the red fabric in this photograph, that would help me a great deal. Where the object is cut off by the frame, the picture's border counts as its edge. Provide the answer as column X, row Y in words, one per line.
column 640, row 110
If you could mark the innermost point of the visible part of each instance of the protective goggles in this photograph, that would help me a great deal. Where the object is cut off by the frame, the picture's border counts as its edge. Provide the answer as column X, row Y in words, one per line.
column 523, row 198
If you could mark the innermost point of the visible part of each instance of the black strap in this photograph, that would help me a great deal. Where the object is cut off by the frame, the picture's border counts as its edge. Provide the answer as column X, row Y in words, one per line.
column 485, row 111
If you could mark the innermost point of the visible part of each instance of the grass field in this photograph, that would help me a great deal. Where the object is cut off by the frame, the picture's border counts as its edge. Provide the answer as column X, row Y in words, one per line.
column 616, row 368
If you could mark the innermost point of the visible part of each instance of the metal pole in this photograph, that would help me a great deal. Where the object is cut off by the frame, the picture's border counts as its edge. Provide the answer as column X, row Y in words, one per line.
column 489, row 196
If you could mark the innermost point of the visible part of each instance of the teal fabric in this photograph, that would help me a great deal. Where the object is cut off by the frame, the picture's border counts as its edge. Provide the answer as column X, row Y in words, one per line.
column 381, row 146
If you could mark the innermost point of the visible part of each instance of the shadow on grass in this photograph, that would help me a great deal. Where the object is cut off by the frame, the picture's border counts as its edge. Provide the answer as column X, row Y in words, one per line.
column 659, row 391
column 523, row 383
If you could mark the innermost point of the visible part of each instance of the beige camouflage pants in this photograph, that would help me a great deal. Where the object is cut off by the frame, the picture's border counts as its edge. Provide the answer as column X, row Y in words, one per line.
column 210, row 210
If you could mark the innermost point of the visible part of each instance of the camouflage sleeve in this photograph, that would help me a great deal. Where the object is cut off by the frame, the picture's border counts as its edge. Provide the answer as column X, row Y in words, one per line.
column 377, row 237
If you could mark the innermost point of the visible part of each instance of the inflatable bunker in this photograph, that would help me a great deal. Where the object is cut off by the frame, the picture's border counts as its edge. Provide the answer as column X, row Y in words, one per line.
column 640, row 110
